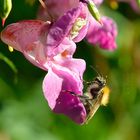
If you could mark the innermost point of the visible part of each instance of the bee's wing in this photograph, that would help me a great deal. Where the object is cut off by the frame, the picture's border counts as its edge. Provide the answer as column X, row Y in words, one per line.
column 95, row 105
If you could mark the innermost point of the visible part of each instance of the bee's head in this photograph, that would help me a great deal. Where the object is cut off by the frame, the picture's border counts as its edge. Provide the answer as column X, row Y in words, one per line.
column 101, row 81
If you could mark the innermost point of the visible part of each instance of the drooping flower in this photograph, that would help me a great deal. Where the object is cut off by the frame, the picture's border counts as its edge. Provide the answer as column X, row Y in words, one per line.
column 49, row 45
column 97, row 34
column 64, row 72
column 103, row 35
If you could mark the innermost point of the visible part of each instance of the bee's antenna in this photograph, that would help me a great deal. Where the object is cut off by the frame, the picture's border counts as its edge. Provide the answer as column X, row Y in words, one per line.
column 99, row 74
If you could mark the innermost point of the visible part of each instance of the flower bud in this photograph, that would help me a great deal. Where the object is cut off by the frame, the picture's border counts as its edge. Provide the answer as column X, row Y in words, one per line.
column 94, row 11
column 5, row 8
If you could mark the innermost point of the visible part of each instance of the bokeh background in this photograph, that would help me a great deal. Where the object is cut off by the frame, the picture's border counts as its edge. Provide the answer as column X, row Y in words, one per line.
column 24, row 112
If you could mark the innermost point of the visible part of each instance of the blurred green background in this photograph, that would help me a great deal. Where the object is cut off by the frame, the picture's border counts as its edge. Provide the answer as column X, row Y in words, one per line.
column 24, row 112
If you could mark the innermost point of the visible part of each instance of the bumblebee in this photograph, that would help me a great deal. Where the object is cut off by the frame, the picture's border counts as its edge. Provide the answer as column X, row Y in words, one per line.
column 97, row 94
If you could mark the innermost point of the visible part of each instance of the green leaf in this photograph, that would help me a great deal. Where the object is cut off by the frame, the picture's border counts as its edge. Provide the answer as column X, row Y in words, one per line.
column 10, row 64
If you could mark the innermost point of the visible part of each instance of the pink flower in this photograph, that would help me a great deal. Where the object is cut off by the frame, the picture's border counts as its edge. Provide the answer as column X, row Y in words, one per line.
column 103, row 35
column 64, row 72
column 49, row 46
column 56, row 85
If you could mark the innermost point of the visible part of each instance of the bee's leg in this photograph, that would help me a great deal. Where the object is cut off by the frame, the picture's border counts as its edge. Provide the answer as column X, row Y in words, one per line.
column 86, row 100
column 75, row 94
column 89, row 102
column 83, row 98
column 87, row 82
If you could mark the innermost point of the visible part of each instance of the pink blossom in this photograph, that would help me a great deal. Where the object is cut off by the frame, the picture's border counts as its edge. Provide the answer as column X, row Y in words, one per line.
column 64, row 72
column 102, row 35
column 49, row 46
column 56, row 85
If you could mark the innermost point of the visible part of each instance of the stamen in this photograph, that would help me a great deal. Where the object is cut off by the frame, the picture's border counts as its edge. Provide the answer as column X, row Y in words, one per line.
column 80, row 22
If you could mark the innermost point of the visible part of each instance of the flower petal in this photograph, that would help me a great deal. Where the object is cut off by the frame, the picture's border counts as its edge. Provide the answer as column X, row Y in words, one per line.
column 103, row 35
column 56, row 87
column 52, row 86
column 42, row 14
column 24, row 36
column 76, row 65
column 21, row 34
column 66, row 48
column 60, row 29
column 62, row 5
